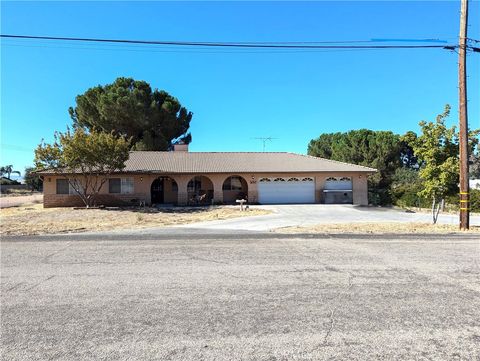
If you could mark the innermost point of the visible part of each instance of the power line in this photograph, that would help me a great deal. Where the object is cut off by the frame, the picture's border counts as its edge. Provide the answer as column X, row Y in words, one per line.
column 411, row 40
column 254, row 45
column 177, row 50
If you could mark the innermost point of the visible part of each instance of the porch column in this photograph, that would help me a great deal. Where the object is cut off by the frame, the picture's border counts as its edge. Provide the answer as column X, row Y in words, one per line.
column 182, row 182
column 217, row 181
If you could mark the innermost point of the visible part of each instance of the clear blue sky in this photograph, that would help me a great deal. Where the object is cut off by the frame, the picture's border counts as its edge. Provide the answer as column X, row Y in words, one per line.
column 235, row 96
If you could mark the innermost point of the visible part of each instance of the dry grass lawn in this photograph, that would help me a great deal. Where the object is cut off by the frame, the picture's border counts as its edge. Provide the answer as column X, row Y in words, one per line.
column 19, row 193
column 377, row 228
column 34, row 219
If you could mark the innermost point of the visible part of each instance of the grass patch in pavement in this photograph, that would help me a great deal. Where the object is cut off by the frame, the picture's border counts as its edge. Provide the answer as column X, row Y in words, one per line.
column 374, row 228
column 34, row 219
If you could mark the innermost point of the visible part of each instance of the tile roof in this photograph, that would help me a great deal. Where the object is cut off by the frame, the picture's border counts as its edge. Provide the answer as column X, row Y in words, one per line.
column 233, row 162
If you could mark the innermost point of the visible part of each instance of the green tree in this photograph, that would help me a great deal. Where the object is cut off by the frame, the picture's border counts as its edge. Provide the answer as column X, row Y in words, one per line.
column 382, row 150
column 474, row 164
column 437, row 150
column 33, row 180
column 407, row 155
column 323, row 146
column 128, row 107
column 8, row 170
column 406, row 184
column 84, row 158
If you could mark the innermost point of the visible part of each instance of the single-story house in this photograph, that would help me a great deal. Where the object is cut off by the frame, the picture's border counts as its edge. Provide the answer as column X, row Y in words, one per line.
column 474, row 183
column 180, row 177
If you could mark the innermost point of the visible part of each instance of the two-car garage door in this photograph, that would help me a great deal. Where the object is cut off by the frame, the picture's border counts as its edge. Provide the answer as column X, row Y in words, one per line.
column 286, row 190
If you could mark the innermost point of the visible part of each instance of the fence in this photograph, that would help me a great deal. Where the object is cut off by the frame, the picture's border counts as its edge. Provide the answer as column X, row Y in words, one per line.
column 5, row 188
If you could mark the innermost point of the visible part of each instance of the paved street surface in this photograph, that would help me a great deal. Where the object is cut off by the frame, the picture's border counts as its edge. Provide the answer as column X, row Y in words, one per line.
column 243, row 297
column 309, row 215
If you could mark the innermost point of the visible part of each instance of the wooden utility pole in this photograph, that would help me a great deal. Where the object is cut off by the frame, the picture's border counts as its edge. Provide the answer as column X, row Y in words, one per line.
column 462, row 109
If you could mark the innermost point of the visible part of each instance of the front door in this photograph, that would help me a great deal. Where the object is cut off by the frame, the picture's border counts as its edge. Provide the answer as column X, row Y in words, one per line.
column 157, row 191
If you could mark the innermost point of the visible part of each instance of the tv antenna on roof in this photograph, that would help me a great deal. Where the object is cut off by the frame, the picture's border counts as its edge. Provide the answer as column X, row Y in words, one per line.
column 264, row 139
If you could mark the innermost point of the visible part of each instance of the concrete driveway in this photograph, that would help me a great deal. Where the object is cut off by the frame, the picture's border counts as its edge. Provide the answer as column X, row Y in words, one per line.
column 307, row 215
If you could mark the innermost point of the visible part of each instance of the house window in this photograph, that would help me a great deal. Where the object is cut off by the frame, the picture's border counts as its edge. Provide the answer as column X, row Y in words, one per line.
column 127, row 185
column 232, row 184
column 174, row 186
column 279, row 180
column 76, row 185
column 62, row 186
column 293, row 179
column 194, row 185
column 120, row 185
column 265, row 180
column 114, row 185
column 65, row 187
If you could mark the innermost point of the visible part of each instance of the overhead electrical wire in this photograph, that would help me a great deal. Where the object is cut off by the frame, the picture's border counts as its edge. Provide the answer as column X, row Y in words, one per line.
column 170, row 49
column 240, row 45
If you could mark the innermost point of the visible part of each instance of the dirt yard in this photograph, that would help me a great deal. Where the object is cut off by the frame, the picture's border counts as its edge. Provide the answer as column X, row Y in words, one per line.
column 19, row 200
column 19, row 193
column 34, row 219
column 377, row 228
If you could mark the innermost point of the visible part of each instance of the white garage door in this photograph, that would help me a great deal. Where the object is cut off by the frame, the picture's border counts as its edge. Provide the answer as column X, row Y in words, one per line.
column 286, row 190
column 338, row 190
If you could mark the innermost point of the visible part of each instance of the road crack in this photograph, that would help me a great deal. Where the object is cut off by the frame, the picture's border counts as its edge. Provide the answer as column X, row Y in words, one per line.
column 332, row 310
column 328, row 267
column 15, row 286
column 49, row 256
column 39, row 283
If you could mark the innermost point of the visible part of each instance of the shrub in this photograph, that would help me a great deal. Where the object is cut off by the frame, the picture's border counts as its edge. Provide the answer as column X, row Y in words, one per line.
column 475, row 200
column 379, row 196
column 405, row 188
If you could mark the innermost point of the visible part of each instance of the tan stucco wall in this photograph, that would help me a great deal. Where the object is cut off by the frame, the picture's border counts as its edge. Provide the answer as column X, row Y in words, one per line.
column 142, row 185
column 230, row 196
column 169, row 195
column 360, row 189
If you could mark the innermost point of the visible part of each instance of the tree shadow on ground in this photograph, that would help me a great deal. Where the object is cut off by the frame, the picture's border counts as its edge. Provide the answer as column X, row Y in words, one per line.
column 164, row 210
column 371, row 208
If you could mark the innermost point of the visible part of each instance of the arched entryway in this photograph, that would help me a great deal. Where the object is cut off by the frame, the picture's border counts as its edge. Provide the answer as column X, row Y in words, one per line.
column 164, row 190
column 234, row 187
column 200, row 190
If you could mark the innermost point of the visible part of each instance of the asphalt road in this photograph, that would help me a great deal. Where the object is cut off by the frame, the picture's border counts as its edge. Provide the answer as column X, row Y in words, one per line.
column 240, row 297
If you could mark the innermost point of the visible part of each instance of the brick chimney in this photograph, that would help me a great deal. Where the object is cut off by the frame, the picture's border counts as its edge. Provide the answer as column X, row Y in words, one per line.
column 180, row 147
